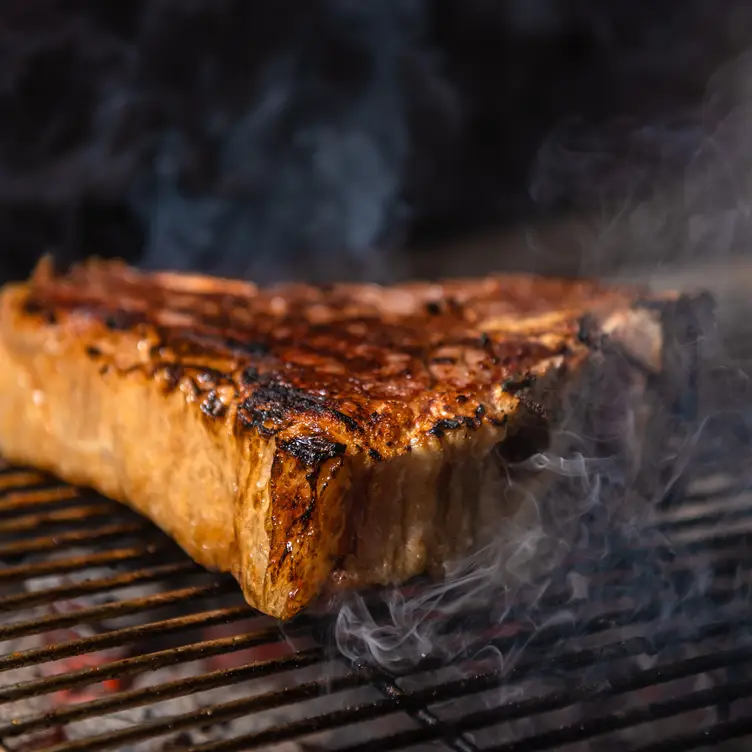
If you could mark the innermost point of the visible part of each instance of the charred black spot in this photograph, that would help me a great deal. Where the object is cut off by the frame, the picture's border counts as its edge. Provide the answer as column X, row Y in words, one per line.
column 433, row 308
column 518, row 384
column 50, row 317
column 499, row 422
column 480, row 411
column 444, row 425
column 485, row 340
column 275, row 402
column 536, row 408
column 375, row 455
column 93, row 352
column 462, row 399
column 312, row 451
column 212, row 406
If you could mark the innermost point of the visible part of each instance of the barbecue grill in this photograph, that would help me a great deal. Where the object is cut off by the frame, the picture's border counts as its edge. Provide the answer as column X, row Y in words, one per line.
column 113, row 640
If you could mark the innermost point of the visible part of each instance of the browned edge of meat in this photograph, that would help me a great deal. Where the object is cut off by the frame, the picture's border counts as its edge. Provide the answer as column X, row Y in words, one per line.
column 296, row 434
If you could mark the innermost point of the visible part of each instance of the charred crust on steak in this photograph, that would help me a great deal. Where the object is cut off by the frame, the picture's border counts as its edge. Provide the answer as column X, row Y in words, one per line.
column 442, row 426
column 213, row 406
column 348, row 359
column 313, row 451
column 518, row 384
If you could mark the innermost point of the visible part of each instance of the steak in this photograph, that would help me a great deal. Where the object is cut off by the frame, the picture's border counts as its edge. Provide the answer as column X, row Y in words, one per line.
column 308, row 438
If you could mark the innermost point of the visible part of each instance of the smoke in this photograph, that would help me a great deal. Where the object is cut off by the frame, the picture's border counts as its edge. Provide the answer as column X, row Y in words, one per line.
column 325, row 139
column 584, row 502
column 677, row 190
column 596, row 515
column 311, row 169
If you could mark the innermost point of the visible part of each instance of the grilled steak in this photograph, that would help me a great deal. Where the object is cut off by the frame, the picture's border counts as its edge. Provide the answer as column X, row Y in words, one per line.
column 306, row 437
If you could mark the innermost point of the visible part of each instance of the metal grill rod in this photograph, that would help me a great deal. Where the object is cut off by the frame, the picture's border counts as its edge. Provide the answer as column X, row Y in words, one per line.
column 558, row 701
column 76, row 537
column 131, row 555
column 215, row 714
column 139, row 664
column 37, row 495
column 716, row 734
column 112, row 639
column 618, row 721
column 159, row 573
column 543, row 638
column 112, row 610
column 167, row 691
column 409, row 702
column 80, row 515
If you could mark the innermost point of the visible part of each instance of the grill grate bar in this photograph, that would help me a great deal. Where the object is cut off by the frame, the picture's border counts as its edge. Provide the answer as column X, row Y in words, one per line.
column 169, row 690
column 216, row 714
column 141, row 663
column 538, row 637
column 56, row 542
column 565, row 652
column 111, row 639
column 132, row 555
column 418, row 700
column 716, row 734
column 557, row 701
column 653, row 711
column 81, row 515
column 11, row 478
column 112, row 610
column 394, row 693
column 159, row 573
column 424, row 717
column 36, row 496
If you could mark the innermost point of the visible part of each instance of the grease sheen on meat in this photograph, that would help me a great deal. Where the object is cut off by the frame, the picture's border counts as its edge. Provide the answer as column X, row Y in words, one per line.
column 303, row 436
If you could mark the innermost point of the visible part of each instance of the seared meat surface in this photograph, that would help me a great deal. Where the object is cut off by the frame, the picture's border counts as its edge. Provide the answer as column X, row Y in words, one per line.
column 308, row 437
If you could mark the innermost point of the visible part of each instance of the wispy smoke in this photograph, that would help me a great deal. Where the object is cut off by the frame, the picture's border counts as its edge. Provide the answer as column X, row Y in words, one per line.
column 677, row 190
column 597, row 509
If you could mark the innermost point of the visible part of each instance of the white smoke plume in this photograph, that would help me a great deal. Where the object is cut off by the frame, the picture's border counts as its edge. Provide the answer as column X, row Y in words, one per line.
column 595, row 513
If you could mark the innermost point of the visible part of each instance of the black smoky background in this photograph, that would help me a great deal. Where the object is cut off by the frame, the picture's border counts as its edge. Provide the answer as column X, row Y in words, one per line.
column 333, row 139
column 341, row 138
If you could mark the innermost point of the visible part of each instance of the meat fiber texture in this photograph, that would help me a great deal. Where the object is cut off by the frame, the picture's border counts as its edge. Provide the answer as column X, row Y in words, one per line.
column 313, row 438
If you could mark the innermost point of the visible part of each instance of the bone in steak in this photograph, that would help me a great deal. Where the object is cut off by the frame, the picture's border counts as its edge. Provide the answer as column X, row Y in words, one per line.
column 305, row 438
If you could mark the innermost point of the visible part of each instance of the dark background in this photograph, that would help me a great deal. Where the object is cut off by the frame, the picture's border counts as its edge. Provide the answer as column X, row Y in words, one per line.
column 345, row 138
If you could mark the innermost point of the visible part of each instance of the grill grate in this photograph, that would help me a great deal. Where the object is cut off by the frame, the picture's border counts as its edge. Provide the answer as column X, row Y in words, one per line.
column 112, row 640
